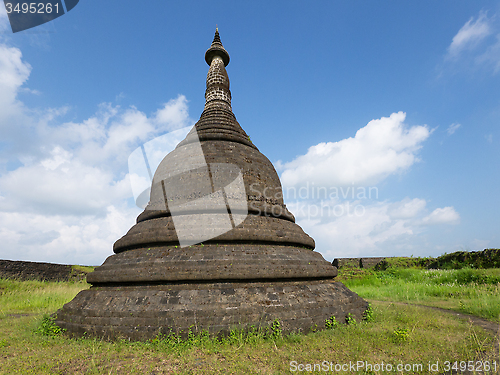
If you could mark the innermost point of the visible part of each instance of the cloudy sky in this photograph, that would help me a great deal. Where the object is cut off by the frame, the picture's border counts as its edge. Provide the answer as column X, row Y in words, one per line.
column 382, row 118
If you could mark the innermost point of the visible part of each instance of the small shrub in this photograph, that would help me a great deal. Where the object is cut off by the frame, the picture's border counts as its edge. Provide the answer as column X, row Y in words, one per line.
column 48, row 327
column 350, row 320
column 3, row 342
column 254, row 336
column 400, row 335
column 331, row 323
column 368, row 314
column 275, row 330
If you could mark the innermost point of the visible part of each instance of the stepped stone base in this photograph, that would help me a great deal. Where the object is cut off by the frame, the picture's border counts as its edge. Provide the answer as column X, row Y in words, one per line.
column 211, row 263
column 141, row 312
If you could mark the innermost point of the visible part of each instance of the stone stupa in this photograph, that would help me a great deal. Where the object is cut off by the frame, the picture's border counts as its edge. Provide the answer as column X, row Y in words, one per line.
column 215, row 248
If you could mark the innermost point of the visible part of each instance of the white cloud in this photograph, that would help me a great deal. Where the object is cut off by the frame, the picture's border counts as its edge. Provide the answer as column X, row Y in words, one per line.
column 62, row 238
column 174, row 114
column 348, row 220
column 407, row 208
column 59, row 156
column 489, row 138
column 452, row 128
column 20, row 127
column 113, row 133
column 477, row 44
column 68, row 198
column 355, row 232
column 366, row 228
column 76, row 185
column 14, row 72
column 491, row 57
column 470, row 34
column 31, row 91
column 131, row 127
column 62, row 185
column 381, row 148
column 446, row 215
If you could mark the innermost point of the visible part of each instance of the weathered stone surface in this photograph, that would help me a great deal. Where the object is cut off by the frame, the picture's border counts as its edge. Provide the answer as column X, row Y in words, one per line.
column 262, row 268
column 346, row 262
column 262, row 184
column 255, row 229
column 22, row 270
column 367, row 262
column 212, row 262
column 142, row 312
column 370, row 262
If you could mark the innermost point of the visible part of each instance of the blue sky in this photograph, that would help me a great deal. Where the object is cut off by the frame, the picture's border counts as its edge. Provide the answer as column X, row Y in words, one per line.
column 400, row 99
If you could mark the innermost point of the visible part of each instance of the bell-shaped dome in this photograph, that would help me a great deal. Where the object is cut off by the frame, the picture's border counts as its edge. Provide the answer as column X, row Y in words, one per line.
column 188, row 183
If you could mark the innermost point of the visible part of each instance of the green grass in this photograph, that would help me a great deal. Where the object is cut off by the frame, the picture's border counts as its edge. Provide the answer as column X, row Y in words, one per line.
column 427, row 337
column 473, row 291
column 395, row 334
column 27, row 297
column 85, row 269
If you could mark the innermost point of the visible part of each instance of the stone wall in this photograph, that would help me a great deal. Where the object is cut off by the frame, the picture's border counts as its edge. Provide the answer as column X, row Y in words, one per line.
column 21, row 270
column 367, row 262
column 370, row 262
column 488, row 258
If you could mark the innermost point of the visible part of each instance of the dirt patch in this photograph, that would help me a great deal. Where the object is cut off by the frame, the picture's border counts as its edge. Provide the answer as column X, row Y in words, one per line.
column 19, row 315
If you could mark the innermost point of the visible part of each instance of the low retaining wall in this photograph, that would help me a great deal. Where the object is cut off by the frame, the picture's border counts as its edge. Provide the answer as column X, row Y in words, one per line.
column 21, row 270
column 367, row 262
column 488, row 258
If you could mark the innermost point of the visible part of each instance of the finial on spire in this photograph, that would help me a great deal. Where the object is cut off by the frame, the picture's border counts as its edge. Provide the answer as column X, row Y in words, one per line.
column 217, row 49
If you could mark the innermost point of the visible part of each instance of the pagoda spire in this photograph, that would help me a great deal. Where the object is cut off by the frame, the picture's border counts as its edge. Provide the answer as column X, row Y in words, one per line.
column 217, row 92
column 217, row 49
column 217, row 120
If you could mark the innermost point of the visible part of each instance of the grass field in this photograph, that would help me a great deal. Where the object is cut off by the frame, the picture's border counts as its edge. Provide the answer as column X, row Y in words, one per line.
column 472, row 291
column 396, row 335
